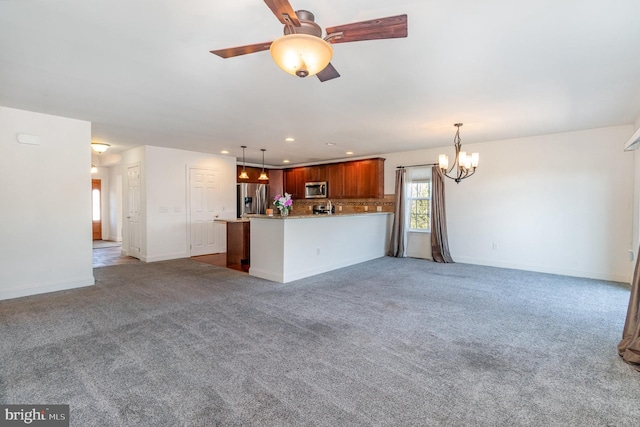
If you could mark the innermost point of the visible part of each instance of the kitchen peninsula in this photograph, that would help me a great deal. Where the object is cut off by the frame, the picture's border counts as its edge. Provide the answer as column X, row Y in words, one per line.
column 284, row 249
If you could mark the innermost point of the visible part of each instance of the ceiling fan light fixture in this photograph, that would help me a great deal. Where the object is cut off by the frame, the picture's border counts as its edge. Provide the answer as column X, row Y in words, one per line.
column 301, row 55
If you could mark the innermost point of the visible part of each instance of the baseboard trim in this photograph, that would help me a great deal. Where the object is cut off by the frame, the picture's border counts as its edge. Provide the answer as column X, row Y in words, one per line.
column 540, row 269
column 46, row 288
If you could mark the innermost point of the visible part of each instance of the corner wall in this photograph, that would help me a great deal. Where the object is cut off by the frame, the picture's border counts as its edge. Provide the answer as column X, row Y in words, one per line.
column 45, row 231
column 164, row 211
column 558, row 203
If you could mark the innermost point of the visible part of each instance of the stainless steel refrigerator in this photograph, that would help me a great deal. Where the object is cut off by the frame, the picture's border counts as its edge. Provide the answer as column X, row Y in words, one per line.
column 252, row 199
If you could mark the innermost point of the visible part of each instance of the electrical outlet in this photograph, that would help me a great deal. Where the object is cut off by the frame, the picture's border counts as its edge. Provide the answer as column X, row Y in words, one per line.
column 340, row 208
column 366, row 208
column 310, row 207
column 379, row 208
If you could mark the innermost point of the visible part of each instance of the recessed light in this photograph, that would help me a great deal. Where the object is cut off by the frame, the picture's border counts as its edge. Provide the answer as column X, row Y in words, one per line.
column 349, row 153
column 224, row 152
column 331, row 143
column 285, row 161
column 289, row 139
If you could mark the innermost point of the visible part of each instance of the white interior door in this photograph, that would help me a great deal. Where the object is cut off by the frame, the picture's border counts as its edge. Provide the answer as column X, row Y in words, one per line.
column 204, row 209
column 133, row 211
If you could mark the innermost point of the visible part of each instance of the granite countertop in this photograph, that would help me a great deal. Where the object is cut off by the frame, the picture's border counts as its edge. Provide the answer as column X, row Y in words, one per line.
column 293, row 216
column 225, row 220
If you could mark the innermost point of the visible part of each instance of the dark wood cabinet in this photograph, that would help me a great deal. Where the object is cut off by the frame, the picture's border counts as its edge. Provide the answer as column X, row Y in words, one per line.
column 315, row 173
column 238, row 238
column 335, row 180
column 371, row 178
column 364, row 179
column 359, row 179
column 350, row 180
column 294, row 180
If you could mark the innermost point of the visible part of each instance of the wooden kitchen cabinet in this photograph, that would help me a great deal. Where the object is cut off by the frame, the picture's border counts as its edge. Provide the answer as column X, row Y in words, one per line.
column 358, row 179
column 238, row 238
column 294, row 180
column 364, row 179
column 371, row 178
column 335, row 180
column 316, row 173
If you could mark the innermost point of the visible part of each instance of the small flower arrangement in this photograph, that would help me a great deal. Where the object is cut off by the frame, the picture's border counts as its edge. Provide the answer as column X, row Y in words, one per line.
column 283, row 203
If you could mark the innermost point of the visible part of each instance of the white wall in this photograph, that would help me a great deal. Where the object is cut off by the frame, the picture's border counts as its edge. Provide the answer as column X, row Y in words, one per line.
column 45, row 224
column 164, row 197
column 115, row 203
column 557, row 203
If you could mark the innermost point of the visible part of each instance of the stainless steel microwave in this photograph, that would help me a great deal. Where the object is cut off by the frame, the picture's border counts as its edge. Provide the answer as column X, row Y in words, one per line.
column 316, row 190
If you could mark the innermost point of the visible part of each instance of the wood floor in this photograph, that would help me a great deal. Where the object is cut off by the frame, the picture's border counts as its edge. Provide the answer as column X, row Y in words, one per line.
column 112, row 255
column 103, row 257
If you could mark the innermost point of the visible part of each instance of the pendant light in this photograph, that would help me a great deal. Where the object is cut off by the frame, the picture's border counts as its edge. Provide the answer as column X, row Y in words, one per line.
column 263, row 176
column 243, row 174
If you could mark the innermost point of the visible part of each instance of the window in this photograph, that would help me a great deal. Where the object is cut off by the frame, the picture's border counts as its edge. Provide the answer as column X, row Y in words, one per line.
column 419, row 203
column 95, row 198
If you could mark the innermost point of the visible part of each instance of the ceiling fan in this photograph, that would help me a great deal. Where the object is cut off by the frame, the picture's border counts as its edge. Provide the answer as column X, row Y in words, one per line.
column 303, row 52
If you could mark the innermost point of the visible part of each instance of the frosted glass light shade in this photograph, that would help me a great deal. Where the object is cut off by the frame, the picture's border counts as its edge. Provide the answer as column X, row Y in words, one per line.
column 443, row 161
column 301, row 54
column 99, row 147
column 475, row 159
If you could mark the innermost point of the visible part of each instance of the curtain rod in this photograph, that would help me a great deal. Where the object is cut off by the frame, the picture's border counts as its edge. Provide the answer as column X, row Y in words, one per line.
column 416, row 166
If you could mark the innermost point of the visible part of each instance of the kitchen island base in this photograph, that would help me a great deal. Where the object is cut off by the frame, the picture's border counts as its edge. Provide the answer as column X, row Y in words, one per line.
column 292, row 248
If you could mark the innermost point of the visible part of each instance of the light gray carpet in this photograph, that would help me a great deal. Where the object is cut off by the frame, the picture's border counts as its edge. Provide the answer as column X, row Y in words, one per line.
column 388, row 342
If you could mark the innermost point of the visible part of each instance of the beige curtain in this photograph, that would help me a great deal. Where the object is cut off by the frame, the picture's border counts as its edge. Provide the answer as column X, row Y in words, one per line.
column 398, row 244
column 439, row 238
column 629, row 347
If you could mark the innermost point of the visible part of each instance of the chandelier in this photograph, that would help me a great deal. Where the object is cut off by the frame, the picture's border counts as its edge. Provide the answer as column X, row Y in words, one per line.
column 464, row 165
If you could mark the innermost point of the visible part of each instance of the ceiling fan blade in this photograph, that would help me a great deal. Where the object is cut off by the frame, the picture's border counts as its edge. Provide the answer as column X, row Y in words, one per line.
column 390, row 27
column 281, row 8
column 230, row 52
column 328, row 73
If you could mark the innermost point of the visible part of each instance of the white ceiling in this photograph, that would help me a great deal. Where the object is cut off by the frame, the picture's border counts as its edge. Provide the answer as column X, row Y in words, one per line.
column 141, row 72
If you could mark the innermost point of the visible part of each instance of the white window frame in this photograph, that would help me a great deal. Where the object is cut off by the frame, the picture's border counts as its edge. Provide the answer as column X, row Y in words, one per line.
column 410, row 199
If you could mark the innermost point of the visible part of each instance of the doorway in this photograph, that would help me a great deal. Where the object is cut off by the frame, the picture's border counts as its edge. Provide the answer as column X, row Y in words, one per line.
column 96, row 208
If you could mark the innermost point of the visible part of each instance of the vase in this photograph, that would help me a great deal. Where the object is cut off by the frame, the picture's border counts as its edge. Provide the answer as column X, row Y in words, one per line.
column 284, row 212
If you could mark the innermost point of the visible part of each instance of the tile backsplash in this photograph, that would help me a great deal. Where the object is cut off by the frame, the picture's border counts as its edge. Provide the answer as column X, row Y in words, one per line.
column 385, row 204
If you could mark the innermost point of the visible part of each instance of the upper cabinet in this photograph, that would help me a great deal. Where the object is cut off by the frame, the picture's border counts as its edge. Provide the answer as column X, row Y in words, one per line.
column 294, row 180
column 335, row 180
column 358, row 179
column 316, row 173
column 364, row 179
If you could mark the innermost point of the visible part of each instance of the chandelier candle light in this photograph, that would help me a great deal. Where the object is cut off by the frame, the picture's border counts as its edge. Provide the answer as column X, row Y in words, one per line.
column 465, row 164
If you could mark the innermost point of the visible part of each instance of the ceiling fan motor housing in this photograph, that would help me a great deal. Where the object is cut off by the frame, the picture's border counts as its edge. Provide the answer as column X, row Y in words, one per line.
column 308, row 25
